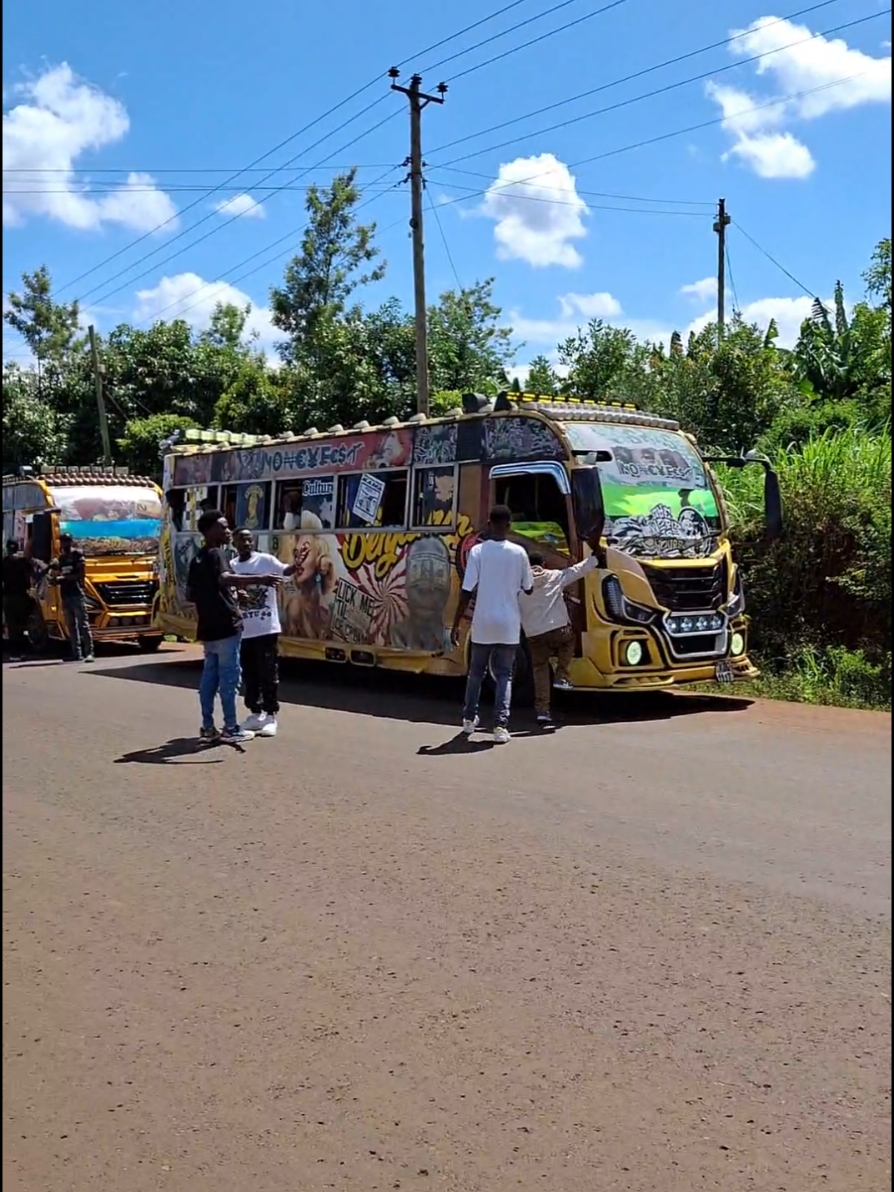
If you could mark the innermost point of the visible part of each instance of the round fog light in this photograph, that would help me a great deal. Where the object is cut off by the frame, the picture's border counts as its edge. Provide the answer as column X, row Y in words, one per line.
column 737, row 646
column 633, row 653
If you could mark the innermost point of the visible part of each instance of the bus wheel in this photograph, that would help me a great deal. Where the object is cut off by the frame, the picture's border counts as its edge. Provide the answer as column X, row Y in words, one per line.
column 38, row 634
column 149, row 643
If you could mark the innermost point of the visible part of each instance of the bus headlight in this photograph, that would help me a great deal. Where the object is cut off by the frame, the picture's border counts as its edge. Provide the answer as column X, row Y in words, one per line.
column 632, row 653
column 619, row 608
column 737, row 644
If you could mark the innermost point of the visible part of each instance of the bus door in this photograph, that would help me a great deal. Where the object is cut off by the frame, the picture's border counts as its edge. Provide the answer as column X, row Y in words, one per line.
column 539, row 496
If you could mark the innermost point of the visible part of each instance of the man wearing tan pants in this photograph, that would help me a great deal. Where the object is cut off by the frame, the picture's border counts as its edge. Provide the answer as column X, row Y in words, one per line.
column 547, row 625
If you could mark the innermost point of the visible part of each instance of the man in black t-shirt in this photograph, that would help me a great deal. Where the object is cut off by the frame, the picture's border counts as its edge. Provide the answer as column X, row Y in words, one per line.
column 212, row 588
column 69, row 573
column 16, row 595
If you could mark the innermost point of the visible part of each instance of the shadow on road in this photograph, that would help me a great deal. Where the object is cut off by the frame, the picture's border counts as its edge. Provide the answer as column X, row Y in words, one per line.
column 426, row 700
column 184, row 751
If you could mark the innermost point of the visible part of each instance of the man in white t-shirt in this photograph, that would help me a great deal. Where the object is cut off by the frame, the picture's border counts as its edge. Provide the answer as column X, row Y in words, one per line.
column 497, row 572
column 260, row 633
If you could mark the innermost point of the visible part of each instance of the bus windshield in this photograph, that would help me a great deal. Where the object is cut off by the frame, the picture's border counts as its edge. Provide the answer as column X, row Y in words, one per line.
column 110, row 519
column 657, row 496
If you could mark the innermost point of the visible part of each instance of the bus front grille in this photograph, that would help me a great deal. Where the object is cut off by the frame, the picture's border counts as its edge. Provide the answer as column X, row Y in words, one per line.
column 126, row 593
column 688, row 589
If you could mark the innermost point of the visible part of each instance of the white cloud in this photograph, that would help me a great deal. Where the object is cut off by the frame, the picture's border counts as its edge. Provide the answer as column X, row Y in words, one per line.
column 538, row 212
column 574, row 309
column 59, row 118
column 839, row 77
column 702, row 290
column 591, row 306
column 789, row 314
column 188, row 296
column 243, row 205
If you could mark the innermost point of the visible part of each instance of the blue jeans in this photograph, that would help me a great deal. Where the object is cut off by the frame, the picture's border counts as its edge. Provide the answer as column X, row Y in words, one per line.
column 221, row 674
column 502, row 662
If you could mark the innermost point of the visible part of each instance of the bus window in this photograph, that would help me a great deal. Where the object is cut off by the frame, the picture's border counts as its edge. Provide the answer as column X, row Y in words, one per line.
column 314, row 498
column 373, row 499
column 228, row 503
column 253, row 506
column 539, row 509
column 41, row 535
column 433, row 496
column 176, row 499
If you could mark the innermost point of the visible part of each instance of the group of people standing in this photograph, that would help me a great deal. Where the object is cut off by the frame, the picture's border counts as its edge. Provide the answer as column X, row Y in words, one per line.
column 239, row 625
column 67, row 571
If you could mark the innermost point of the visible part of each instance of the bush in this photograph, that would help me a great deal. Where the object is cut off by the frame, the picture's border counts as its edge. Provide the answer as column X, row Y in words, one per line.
column 821, row 597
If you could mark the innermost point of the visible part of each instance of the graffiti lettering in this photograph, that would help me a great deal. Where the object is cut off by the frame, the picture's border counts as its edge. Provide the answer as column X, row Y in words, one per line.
column 312, row 458
column 379, row 551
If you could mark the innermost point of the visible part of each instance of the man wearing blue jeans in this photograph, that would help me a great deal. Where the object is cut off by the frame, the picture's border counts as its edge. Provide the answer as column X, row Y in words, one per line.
column 212, row 587
column 497, row 572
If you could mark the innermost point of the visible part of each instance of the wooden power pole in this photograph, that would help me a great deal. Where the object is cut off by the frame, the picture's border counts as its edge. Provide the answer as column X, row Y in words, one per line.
column 100, row 400
column 721, row 223
column 418, row 100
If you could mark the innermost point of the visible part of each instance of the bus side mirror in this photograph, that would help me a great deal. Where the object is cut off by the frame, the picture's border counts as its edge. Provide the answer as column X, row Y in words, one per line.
column 772, row 505
column 42, row 537
column 586, row 496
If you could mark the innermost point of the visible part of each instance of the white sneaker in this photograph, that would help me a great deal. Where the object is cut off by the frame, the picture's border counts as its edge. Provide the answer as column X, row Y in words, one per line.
column 268, row 728
column 469, row 726
column 255, row 722
column 501, row 735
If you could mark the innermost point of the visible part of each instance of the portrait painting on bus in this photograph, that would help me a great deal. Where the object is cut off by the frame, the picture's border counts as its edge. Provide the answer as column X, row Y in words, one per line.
column 309, row 592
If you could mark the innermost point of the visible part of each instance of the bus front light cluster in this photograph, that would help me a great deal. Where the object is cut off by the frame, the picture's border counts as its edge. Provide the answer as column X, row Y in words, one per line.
column 736, row 605
column 698, row 623
column 619, row 608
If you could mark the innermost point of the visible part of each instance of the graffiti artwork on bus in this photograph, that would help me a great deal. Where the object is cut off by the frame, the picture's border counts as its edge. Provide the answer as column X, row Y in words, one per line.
column 384, row 589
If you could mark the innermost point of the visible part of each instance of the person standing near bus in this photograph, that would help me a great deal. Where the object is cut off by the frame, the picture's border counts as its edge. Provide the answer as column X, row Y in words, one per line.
column 212, row 587
column 497, row 572
column 68, row 572
column 547, row 624
column 260, row 633
column 16, row 595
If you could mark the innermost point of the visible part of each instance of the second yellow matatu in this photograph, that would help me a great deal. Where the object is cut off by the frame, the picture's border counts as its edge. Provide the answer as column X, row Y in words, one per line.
column 379, row 521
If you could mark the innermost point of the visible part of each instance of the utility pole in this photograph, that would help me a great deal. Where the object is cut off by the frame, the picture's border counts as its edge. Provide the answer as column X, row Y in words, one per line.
column 100, row 400
column 721, row 223
column 418, row 100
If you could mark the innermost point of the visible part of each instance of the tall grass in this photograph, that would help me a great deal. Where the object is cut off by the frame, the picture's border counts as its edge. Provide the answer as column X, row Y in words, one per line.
column 826, row 586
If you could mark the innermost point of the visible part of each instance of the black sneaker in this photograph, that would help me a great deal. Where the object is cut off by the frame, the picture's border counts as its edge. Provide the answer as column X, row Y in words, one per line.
column 546, row 723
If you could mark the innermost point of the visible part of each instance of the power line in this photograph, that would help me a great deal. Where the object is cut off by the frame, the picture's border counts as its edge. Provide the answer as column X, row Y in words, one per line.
column 772, row 260
column 649, row 94
column 534, row 40
column 213, row 231
column 677, row 132
column 232, row 219
column 256, row 269
column 472, row 192
column 599, row 194
column 434, row 210
column 732, row 280
column 288, row 140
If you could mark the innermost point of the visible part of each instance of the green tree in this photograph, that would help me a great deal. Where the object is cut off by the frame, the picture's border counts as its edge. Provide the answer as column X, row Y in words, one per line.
column 49, row 328
column 319, row 281
column 598, row 360
column 542, row 378
column 139, row 447
column 878, row 276
column 468, row 348
column 33, row 431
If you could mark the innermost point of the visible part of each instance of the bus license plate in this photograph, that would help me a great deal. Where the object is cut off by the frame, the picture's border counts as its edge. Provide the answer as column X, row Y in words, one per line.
column 724, row 673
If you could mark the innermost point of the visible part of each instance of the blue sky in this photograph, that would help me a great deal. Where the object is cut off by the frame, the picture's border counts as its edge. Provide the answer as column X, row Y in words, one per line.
column 114, row 126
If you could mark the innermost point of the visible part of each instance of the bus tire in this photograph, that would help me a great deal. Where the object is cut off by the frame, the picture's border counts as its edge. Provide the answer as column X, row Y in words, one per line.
column 149, row 643
column 38, row 634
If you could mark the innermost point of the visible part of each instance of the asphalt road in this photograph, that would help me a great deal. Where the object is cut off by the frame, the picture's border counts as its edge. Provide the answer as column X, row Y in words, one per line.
column 650, row 953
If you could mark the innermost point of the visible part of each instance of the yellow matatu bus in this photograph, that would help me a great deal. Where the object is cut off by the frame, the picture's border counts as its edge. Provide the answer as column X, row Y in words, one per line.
column 115, row 520
column 380, row 520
